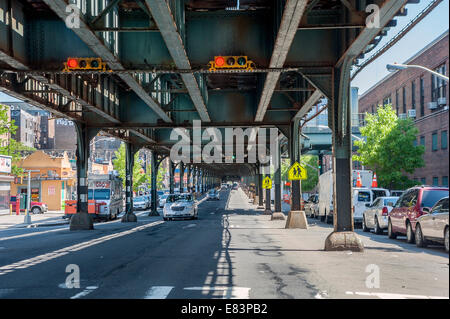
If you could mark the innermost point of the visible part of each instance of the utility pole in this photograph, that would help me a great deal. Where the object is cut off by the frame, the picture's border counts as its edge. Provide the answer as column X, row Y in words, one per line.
column 27, row 218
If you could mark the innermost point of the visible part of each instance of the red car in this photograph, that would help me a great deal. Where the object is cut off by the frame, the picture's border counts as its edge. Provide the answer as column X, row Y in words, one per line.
column 36, row 207
column 412, row 204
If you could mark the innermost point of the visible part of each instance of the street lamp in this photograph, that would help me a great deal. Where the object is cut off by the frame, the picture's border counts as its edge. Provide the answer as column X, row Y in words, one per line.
column 396, row 66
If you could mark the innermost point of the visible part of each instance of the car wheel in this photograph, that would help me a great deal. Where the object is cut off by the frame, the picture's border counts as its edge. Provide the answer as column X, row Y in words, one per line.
column 36, row 210
column 446, row 239
column 166, row 219
column 378, row 229
column 409, row 234
column 364, row 226
column 420, row 239
column 391, row 233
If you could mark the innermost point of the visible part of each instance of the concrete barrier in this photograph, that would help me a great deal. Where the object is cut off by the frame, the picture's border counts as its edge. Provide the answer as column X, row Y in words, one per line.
column 297, row 219
column 129, row 218
column 344, row 240
column 277, row 216
column 81, row 221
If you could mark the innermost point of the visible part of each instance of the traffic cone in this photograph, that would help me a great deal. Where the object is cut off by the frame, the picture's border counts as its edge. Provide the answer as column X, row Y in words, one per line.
column 374, row 180
column 358, row 181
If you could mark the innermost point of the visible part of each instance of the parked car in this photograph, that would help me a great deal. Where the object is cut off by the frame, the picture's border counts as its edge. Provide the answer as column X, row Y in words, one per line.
column 433, row 226
column 180, row 206
column 213, row 195
column 140, row 202
column 413, row 203
column 312, row 205
column 162, row 200
column 35, row 207
column 376, row 215
column 365, row 196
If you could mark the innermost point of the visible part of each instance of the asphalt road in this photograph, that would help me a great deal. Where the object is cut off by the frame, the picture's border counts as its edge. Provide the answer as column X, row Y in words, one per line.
column 231, row 251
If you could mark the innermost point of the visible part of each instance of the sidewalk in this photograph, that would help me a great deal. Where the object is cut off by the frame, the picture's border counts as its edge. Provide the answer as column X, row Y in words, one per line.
column 50, row 218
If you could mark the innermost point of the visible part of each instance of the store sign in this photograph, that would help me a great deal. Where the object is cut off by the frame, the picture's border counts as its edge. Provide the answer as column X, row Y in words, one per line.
column 5, row 164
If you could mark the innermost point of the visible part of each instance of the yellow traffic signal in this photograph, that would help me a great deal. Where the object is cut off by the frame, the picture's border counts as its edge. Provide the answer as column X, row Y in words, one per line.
column 231, row 62
column 87, row 64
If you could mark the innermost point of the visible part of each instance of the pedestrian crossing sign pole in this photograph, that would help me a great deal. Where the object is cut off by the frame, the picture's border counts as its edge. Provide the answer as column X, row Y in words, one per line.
column 267, row 183
column 297, row 172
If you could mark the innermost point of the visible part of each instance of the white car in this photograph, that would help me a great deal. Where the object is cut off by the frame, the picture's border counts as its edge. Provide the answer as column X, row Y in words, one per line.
column 363, row 196
column 162, row 200
column 180, row 206
column 377, row 214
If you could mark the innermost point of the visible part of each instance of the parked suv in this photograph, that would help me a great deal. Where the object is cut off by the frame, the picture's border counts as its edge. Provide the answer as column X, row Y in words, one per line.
column 413, row 203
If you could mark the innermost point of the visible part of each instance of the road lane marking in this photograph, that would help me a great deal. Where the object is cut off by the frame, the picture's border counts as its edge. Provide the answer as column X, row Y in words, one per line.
column 189, row 226
column 227, row 292
column 85, row 292
column 383, row 295
column 32, row 234
column 158, row 292
column 26, row 263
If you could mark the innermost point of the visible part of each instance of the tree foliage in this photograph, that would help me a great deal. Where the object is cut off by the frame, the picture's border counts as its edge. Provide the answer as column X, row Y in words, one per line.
column 388, row 148
column 139, row 177
column 311, row 168
column 12, row 147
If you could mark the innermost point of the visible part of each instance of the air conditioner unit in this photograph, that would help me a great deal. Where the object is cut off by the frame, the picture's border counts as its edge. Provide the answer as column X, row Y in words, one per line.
column 432, row 105
column 402, row 116
column 442, row 101
column 412, row 113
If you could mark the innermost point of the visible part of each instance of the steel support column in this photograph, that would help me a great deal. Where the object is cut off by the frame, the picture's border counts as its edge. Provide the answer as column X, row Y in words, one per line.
column 343, row 237
column 296, row 191
column 260, row 189
column 181, row 177
column 130, row 150
column 154, row 176
column 277, row 180
column 171, row 176
column 82, row 220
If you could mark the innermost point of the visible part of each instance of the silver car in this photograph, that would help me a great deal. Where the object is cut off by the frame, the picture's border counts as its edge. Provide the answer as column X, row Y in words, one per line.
column 180, row 206
column 376, row 215
column 433, row 226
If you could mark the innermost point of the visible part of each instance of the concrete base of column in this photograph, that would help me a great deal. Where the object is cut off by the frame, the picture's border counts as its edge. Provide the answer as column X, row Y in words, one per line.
column 296, row 219
column 340, row 241
column 267, row 212
column 153, row 213
column 278, row 216
column 81, row 221
column 129, row 218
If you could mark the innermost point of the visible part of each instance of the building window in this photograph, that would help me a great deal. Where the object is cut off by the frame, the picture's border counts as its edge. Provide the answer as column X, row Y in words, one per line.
column 415, row 143
column 435, row 181
column 413, row 95
column 373, row 109
column 387, row 101
column 444, row 140
column 438, row 85
column 422, row 140
column 434, row 142
column 422, row 97
column 445, row 181
column 404, row 100
column 423, row 180
column 396, row 101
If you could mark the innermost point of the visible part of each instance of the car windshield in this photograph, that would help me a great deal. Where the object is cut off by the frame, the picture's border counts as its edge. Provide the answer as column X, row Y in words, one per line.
column 139, row 199
column 392, row 200
column 430, row 197
column 378, row 193
column 164, row 196
column 212, row 192
column 179, row 198
column 98, row 193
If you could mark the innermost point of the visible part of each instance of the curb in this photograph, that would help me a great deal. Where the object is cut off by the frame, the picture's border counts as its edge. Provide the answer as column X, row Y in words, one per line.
column 41, row 225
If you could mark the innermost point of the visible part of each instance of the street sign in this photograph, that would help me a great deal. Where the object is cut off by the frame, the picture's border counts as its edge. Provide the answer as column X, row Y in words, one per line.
column 267, row 183
column 5, row 164
column 297, row 172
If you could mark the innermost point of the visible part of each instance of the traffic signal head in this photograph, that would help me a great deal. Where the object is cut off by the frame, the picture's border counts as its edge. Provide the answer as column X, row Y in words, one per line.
column 231, row 62
column 84, row 64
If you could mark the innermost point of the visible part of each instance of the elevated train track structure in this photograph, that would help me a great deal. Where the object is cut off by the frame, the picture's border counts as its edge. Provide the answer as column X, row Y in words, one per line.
column 157, row 55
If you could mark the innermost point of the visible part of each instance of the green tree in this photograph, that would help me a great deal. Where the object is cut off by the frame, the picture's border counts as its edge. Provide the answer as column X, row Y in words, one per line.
column 139, row 177
column 12, row 147
column 389, row 148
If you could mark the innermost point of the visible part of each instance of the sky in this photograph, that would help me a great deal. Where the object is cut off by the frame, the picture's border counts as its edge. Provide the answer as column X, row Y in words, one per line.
column 432, row 26
column 427, row 30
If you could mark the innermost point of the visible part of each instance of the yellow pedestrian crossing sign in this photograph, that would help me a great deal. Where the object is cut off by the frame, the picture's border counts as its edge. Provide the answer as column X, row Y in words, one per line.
column 297, row 172
column 267, row 183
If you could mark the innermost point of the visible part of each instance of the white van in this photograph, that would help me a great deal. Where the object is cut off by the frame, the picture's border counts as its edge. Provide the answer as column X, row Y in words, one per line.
column 362, row 198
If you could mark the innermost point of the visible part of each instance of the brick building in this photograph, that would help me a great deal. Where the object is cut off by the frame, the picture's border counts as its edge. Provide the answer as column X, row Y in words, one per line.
column 417, row 94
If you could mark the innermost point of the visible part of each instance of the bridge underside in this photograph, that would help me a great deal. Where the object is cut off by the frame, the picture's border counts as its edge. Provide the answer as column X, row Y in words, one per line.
column 157, row 54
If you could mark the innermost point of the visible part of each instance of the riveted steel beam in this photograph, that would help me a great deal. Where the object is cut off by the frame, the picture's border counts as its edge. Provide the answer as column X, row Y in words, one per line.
column 292, row 15
column 96, row 45
column 164, row 20
column 312, row 100
column 387, row 12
